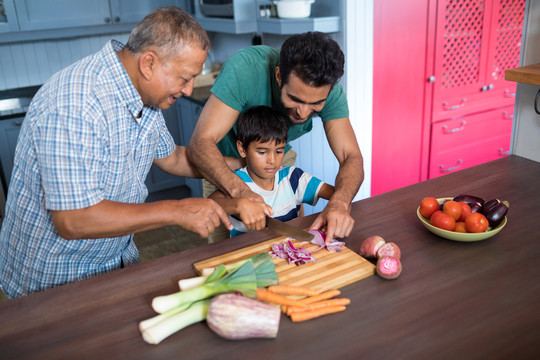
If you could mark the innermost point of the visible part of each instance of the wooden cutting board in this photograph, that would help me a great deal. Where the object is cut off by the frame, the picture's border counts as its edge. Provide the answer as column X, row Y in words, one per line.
column 331, row 270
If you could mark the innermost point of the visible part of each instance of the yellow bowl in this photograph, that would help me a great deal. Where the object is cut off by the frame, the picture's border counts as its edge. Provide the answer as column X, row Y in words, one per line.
column 457, row 236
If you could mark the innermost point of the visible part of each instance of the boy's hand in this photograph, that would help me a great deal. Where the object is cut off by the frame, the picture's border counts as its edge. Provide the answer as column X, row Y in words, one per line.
column 253, row 213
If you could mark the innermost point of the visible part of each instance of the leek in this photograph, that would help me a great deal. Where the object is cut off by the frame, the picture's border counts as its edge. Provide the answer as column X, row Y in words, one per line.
column 262, row 263
column 162, row 326
column 243, row 279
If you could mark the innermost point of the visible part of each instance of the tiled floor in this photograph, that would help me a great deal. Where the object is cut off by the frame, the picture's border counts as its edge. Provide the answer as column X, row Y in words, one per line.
column 164, row 241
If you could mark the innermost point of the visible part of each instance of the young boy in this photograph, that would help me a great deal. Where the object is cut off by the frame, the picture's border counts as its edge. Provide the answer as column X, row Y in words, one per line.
column 262, row 134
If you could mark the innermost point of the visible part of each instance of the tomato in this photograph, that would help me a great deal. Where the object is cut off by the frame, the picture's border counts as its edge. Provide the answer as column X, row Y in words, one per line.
column 443, row 221
column 460, row 227
column 428, row 206
column 465, row 211
column 452, row 208
column 476, row 223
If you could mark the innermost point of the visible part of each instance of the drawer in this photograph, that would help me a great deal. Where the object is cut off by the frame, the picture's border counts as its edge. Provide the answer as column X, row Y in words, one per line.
column 464, row 105
column 460, row 132
column 469, row 140
column 445, row 162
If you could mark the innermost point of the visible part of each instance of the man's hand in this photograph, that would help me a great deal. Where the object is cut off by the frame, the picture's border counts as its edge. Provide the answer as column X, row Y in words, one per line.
column 253, row 213
column 337, row 220
column 250, row 195
column 201, row 216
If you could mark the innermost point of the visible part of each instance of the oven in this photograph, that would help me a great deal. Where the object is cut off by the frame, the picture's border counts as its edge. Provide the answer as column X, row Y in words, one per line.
column 13, row 106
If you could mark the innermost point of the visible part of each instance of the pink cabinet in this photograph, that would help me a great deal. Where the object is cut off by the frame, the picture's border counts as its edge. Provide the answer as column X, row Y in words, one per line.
column 439, row 88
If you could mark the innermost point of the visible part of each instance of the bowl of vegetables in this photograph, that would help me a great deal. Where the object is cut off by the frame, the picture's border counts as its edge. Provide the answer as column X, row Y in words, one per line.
column 493, row 213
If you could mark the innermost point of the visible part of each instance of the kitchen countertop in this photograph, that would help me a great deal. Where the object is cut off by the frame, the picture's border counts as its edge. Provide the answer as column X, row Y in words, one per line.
column 453, row 300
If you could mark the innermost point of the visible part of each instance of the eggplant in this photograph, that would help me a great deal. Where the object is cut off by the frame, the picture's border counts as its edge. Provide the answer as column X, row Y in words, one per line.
column 488, row 205
column 496, row 214
column 475, row 207
column 469, row 199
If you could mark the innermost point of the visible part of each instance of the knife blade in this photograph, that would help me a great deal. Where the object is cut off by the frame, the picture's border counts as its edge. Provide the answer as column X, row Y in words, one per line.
column 281, row 228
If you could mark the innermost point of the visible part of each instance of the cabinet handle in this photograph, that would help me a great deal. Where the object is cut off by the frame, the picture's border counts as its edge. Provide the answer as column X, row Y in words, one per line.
column 503, row 153
column 453, row 107
column 116, row 19
column 455, row 129
column 506, row 116
column 18, row 122
column 507, row 94
column 107, row 20
column 451, row 168
column 536, row 102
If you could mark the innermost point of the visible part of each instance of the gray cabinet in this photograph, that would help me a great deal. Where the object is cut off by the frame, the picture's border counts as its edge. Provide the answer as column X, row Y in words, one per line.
column 8, row 17
column 157, row 179
column 41, row 15
column 29, row 20
column 9, row 132
column 188, row 111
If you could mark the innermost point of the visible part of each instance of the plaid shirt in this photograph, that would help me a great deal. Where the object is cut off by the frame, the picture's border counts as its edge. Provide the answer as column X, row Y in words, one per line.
column 80, row 143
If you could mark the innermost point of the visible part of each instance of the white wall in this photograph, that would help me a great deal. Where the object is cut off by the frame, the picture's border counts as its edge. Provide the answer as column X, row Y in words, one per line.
column 526, row 129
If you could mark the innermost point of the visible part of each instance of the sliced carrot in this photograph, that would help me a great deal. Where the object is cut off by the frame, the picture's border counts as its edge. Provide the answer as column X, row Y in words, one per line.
column 284, row 309
column 292, row 290
column 277, row 299
column 319, row 305
column 307, row 315
column 324, row 296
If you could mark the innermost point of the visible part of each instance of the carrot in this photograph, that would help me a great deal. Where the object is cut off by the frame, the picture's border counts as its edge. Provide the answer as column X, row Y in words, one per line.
column 292, row 290
column 277, row 299
column 324, row 296
column 284, row 309
column 307, row 315
column 319, row 305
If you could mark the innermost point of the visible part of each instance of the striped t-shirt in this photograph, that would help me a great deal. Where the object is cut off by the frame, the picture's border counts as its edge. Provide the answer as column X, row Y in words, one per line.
column 292, row 188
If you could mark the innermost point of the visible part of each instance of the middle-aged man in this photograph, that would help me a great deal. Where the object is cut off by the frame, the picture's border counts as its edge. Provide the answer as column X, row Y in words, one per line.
column 300, row 81
column 85, row 148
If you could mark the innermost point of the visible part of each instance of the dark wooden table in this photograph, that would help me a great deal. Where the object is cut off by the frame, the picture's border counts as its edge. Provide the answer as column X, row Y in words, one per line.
column 453, row 300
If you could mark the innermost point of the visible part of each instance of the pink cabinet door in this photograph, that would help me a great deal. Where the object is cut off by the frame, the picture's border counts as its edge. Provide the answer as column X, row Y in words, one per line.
column 469, row 140
column 400, row 35
column 504, row 45
column 461, row 51
column 476, row 41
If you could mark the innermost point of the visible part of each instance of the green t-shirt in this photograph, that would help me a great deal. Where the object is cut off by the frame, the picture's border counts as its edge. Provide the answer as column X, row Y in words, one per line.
column 248, row 79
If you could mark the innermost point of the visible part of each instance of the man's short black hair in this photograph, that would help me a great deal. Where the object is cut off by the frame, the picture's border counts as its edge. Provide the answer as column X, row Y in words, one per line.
column 262, row 123
column 314, row 57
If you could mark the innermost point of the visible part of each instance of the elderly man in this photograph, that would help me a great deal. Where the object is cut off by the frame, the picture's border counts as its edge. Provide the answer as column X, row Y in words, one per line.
column 88, row 141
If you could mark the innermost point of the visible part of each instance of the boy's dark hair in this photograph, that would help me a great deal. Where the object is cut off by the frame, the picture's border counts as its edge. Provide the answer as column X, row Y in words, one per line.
column 314, row 57
column 262, row 123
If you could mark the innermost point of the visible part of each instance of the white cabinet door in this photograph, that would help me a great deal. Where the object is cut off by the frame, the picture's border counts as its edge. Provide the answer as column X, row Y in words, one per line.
column 135, row 10
column 40, row 15
column 8, row 17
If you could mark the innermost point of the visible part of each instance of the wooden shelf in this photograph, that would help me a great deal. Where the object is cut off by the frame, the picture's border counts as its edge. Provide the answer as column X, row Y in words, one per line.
column 529, row 74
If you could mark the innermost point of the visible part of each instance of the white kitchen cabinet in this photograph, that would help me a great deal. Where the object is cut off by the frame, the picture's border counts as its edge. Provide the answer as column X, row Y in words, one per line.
column 248, row 18
column 29, row 20
column 8, row 17
column 40, row 15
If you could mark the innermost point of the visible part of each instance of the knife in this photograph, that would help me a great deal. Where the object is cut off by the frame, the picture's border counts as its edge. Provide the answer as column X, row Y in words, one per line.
column 281, row 228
